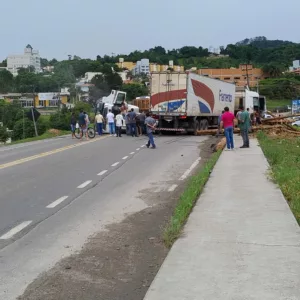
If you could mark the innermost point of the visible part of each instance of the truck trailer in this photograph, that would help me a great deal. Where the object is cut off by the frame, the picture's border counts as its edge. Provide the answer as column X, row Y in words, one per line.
column 188, row 102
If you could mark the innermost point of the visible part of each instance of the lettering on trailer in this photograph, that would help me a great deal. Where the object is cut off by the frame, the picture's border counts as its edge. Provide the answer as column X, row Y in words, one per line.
column 225, row 97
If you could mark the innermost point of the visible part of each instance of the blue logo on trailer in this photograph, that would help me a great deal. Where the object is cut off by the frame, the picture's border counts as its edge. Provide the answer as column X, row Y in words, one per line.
column 174, row 105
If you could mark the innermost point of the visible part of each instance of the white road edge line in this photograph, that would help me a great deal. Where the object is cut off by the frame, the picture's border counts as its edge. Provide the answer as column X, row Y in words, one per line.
column 83, row 185
column 102, row 173
column 125, row 157
column 142, row 146
column 56, row 202
column 115, row 164
column 190, row 169
column 138, row 149
column 172, row 188
column 15, row 230
column 131, row 153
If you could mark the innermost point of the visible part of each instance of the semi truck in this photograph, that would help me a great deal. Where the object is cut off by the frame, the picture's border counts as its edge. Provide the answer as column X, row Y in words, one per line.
column 114, row 102
column 187, row 102
column 250, row 100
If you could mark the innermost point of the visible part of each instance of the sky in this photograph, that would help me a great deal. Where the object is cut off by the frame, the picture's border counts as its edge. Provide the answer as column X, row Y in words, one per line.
column 97, row 27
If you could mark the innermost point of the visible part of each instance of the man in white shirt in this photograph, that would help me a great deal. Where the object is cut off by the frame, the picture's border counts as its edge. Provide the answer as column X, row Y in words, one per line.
column 111, row 122
column 119, row 123
column 99, row 121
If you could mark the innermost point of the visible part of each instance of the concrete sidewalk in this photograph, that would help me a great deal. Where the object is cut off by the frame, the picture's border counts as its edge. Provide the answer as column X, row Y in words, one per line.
column 241, row 241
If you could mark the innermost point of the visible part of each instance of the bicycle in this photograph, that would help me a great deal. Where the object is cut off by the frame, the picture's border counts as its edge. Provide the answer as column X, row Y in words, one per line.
column 90, row 131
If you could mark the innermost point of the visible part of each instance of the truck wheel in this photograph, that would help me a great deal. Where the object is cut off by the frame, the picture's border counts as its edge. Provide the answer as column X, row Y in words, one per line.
column 205, row 124
column 202, row 125
column 196, row 126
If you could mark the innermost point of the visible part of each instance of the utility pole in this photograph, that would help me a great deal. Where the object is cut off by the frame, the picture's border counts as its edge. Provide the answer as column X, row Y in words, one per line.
column 34, row 123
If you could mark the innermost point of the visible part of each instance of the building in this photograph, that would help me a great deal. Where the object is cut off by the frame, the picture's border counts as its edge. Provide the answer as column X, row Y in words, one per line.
column 129, row 65
column 295, row 68
column 236, row 75
column 142, row 67
column 30, row 58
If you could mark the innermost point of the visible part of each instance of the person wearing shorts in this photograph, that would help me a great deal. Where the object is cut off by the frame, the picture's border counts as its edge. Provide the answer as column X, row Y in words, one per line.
column 73, row 125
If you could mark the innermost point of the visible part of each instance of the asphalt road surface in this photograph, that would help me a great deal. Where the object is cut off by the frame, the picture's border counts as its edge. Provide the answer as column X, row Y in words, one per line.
column 56, row 193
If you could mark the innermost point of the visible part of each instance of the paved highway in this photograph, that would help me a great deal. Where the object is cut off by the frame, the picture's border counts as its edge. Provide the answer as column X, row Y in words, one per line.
column 56, row 193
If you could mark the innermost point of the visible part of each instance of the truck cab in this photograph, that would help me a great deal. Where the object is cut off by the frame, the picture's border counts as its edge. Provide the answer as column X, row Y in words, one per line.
column 114, row 102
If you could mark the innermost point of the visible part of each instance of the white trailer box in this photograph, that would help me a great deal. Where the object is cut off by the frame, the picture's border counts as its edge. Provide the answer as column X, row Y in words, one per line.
column 187, row 101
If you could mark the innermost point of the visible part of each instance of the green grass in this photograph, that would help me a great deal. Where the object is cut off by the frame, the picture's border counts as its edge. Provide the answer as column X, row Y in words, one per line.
column 187, row 201
column 273, row 104
column 46, row 135
column 283, row 155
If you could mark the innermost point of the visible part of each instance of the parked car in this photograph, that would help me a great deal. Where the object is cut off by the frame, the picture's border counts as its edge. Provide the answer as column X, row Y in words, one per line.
column 297, row 123
column 267, row 116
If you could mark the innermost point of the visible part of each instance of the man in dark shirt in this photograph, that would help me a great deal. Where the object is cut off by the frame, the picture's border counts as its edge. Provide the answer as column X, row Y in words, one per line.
column 73, row 122
column 132, row 122
column 142, row 121
column 150, row 124
column 82, row 124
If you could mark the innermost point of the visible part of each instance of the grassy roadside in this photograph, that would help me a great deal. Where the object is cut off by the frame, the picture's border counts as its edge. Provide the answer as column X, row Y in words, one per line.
column 187, row 200
column 283, row 155
column 46, row 135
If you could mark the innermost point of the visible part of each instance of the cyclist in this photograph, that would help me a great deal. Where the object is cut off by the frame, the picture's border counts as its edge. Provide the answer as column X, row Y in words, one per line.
column 83, row 124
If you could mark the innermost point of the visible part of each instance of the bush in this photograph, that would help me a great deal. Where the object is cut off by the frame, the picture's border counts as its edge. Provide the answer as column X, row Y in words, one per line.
column 26, row 129
column 4, row 135
column 60, row 121
column 82, row 106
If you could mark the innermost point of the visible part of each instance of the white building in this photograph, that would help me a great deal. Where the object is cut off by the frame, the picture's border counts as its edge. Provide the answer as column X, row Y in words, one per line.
column 142, row 67
column 30, row 58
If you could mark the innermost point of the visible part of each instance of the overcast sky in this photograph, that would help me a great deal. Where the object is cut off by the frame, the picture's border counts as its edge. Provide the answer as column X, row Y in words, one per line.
column 87, row 28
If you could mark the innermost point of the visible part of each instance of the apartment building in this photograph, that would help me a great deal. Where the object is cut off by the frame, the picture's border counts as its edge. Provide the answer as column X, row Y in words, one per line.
column 30, row 58
column 236, row 75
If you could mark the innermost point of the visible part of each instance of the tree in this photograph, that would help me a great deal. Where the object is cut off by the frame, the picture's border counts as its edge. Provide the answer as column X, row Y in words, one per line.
column 273, row 70
column 3, row 64
column 6, row 81
column 134, row 90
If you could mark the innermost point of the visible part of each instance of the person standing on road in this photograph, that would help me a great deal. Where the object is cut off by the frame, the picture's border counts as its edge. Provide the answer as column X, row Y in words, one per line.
column 227, row 122
column 73, row 122
column 111, row 122
column 132, row 122
column 150, row 127
column 244, row 126
column 82, row 124
column 142, row 122
column 99, row 121
column 219, row 124
column 119, row 123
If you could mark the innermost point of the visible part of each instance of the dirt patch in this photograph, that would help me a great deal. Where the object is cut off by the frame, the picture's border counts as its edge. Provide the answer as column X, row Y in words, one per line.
column 117, row 264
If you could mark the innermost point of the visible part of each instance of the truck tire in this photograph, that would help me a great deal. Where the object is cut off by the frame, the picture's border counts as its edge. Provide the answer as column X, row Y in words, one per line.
column 196, row 126
column 205, row 124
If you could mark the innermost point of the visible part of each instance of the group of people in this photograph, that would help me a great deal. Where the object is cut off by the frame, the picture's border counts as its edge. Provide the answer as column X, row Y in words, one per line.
column 227, row 121
column 135, row 124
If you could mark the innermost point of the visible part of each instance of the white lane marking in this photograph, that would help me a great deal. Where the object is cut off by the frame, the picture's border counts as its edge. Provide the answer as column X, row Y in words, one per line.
column 115, row 164
column 131, row 153
column 125, row 157
column 172, row 188
column 15, row 230
column 56, row 202
column 137, row 149
column 142, row 146
column 83, row 185
column 190, row 169
column 102, row 173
